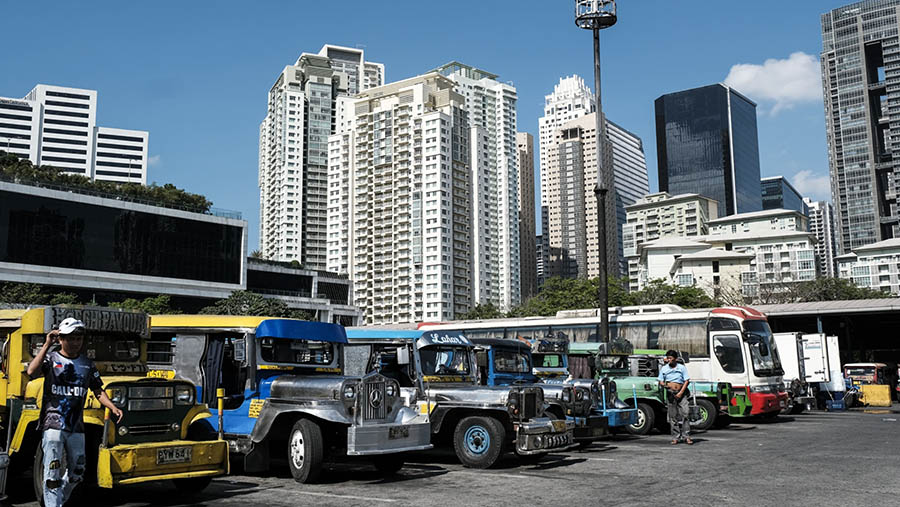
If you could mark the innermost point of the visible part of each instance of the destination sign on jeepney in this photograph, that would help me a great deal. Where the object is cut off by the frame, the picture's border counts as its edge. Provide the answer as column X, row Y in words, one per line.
column 431, row 338
column 99, row 319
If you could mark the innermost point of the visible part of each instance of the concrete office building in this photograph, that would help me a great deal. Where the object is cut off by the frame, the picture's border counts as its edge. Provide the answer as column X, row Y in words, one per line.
column 304, row 108
column 874, row 266
column 571, row 225
column 108, row 249
column 528, row 253
column 630, row 180
column 495, row 191
column 56, row 125
column 821, row 223
column 778, row 193
column 706, row 143
column 860, row 64
column 406, row 218
column 661, row 215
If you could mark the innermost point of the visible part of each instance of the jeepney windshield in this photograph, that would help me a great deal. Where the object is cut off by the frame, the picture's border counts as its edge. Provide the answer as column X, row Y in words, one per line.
column 511, row 361
column 102, row 346
column 297, row 352
column 613, row 362
column 763, row 352
column 548, row 361
column 440, row 360
column 860, row 370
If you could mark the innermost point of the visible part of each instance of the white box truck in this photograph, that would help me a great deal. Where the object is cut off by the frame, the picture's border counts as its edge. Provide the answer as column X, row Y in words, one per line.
column 812, row 364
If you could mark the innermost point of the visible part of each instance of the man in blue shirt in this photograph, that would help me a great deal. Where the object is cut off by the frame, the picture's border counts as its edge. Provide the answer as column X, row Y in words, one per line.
column 674, row 378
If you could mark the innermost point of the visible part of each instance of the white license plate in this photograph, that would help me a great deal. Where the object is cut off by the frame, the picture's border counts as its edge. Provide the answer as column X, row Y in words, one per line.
column 169, row 455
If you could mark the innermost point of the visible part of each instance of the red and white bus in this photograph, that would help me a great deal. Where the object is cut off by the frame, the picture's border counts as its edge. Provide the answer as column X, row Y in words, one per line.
column 729, row 344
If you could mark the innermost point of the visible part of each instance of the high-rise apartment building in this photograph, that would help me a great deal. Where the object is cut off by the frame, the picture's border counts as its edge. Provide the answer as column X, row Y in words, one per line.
column 706, row 143
column 660, row 216
column 873, row 266
column 304, row 108
column 528, row 253
column 778, row 193
column 571, row 225
column 56, row 125
column 403, row 232
column 495, row 197
column 860, row 64
column 821, row 223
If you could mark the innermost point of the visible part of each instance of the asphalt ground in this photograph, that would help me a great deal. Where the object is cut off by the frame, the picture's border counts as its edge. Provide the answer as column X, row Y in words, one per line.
column 816, row 458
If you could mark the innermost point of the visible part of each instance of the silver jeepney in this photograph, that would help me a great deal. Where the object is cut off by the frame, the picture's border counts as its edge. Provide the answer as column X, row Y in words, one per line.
column 439, row 367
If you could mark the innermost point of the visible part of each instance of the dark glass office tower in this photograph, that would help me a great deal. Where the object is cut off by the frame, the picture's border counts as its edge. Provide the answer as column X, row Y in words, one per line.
column 778, row 193
column 706, row 144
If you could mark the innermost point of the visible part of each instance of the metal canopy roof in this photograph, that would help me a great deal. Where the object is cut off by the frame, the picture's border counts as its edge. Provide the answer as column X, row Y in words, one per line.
column 832, row 307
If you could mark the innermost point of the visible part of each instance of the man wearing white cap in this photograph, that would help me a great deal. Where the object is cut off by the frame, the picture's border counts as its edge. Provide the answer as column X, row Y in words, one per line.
column 67, row 378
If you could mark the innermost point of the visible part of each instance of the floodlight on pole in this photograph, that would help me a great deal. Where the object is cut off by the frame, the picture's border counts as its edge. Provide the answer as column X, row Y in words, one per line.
column 595, row 15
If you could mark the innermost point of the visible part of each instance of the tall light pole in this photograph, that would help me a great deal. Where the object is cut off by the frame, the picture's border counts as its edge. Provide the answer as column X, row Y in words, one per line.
column 595, row 15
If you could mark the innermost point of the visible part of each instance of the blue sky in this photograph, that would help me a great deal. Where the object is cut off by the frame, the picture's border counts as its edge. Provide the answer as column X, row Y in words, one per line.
column 195, row 74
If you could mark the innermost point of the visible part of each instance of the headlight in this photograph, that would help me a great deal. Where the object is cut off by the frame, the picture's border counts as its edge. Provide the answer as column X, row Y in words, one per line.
column 184, row 395
column 760, row 389
column 176, row 426
column 566, row 396
column 349, row 392
column 512, row 405
column 389, row 390
column 123, row 431
column 579, row 395
column 117, row 396
column 595, row 388
column 612, row 387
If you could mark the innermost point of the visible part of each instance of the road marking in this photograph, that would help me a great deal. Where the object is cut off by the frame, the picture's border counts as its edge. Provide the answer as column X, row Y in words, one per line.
column 599, row 459
column 492, row 474
column 346, row 497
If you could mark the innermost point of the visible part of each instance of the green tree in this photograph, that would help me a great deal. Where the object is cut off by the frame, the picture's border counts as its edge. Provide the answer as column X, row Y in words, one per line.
column 659, row 292
column 154, row 305
column 256, row 254
column 833, row 289
column 571, row 294
column 482, row 311
column 34, row 294
column 242, row 302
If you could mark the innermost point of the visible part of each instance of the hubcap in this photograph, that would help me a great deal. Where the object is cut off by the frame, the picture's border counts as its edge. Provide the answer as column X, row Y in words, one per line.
column 640, row 420
column 477, row 440
column 297, row 449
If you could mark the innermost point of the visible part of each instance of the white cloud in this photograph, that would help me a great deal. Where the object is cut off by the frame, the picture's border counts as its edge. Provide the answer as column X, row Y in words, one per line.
column 782, row 83
column 153, row 160
column 815, row 186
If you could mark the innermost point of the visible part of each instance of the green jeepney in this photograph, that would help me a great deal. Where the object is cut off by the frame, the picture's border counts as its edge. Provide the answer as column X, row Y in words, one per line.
column 635, row 371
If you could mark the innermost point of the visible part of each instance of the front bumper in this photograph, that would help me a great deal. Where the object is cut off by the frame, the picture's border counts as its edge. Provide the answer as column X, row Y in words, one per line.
column 590, row 427
column 763, row 403
column 621, row 417
column 543, row 435
column 134, row 463
column 372, row 439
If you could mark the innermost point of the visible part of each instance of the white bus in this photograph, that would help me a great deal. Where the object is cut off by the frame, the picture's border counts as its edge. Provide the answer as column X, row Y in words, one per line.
column 728, row 344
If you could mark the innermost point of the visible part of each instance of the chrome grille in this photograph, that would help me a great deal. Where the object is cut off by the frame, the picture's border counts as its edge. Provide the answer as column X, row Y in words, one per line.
column 149, row 429
column 529, row 407
column 374, row 402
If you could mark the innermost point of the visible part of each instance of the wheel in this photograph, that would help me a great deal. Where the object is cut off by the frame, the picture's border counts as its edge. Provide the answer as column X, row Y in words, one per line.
column 478, row 441
column 388, row 464
column 305, row 451
column 722, row 421
column 789, row 407
column 708, row 412
column 797, row 408
column 646, row 418
column 37, row 475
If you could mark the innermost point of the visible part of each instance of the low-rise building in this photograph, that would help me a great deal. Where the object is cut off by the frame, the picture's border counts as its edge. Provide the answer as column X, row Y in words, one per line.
column 875, row 266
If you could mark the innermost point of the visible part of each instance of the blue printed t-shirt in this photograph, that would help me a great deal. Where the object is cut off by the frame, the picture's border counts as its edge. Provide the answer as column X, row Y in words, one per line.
column 66, row 382
column 678, row 374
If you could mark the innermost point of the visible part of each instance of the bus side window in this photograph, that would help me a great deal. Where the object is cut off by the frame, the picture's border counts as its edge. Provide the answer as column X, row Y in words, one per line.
column 728, row 352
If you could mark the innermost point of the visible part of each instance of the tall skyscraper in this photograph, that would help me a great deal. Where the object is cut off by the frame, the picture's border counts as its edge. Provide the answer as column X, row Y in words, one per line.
column 778, row 193
column 403, row 231
column 706, row 143
column 303, row 110
column 859, row 65
column 572, row 99
column 821, row 223
column 494, row 162
column 56, row 125
column 571, row 225
column 528, row 253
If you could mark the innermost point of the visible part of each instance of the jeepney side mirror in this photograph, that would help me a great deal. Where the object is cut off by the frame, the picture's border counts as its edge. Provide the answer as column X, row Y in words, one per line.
column 402, row 355
column 240, row 351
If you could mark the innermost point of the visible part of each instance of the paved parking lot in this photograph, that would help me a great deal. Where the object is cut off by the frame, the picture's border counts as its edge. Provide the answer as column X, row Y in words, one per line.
column 811, row 459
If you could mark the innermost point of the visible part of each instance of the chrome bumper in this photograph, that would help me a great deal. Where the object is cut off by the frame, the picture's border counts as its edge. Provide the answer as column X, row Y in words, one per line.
column 543, row 435
column 372, row 439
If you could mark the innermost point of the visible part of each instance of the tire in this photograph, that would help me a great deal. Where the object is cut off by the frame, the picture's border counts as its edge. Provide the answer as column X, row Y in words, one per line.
column 708, row 413
column 37, row 475
column 722, row 421
column 388, row 464
column 646, row 420
column 305, row 451
column 478, row 441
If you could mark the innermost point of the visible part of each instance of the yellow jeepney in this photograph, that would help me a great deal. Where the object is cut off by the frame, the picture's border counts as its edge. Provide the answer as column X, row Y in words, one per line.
column 164, row 433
